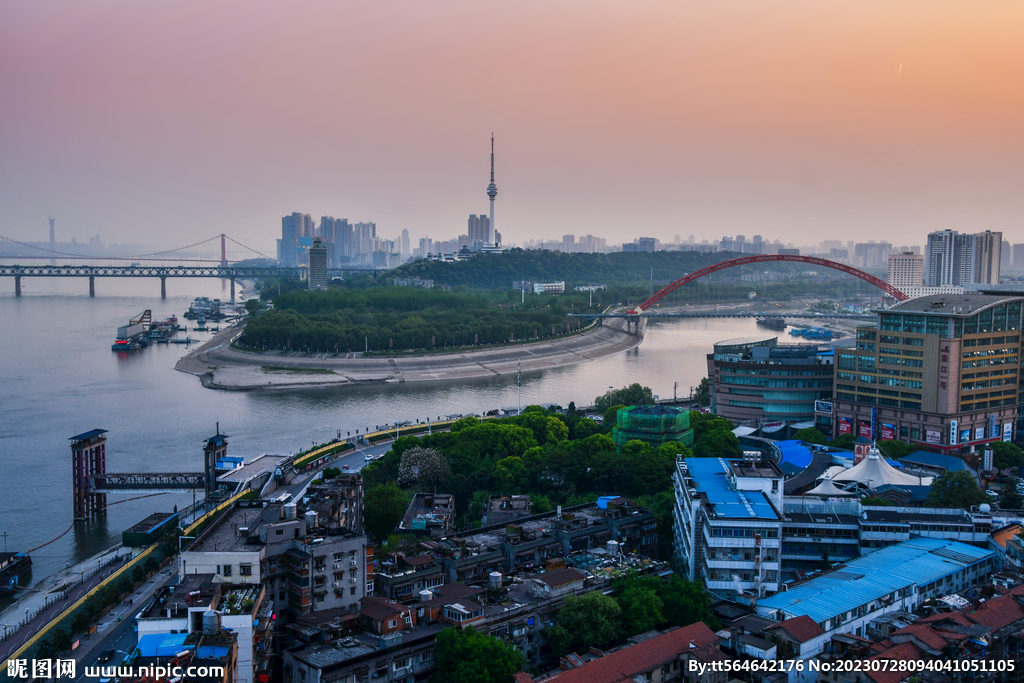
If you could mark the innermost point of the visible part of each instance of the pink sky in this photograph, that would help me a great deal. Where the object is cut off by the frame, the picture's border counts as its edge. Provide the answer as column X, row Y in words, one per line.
column 168, row 122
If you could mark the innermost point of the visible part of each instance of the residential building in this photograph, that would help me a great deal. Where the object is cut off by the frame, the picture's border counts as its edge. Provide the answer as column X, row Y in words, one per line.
column 728, row 523
column 939, row 370
column 654, row 657
column 906, row 270
column 948, row 258
column 318, row 265
column 479, row 231
column 648, row 244
column 431, row 514
column 505, row 509
column 871, row 254
column 986, row 258
column 756, row 382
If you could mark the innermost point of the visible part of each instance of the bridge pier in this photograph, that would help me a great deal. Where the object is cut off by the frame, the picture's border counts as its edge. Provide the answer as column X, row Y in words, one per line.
column 17, row 285
column 163, row 286
column 232, row 290
column 92, row 286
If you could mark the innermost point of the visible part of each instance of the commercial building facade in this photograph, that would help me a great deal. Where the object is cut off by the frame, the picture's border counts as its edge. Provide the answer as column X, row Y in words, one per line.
column 941, row 370
column 906, row 270
column 758, row 383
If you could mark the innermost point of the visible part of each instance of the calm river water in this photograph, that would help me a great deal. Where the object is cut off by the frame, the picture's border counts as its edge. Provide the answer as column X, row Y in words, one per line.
column 58, row 378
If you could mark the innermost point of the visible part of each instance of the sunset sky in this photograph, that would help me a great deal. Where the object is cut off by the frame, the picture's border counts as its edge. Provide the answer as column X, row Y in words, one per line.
column 168, row 122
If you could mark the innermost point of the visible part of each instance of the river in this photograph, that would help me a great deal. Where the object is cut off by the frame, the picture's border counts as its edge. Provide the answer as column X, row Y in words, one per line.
column 58, row 378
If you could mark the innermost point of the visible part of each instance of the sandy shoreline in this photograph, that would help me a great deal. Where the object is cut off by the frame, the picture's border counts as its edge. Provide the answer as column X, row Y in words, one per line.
column 219, row 366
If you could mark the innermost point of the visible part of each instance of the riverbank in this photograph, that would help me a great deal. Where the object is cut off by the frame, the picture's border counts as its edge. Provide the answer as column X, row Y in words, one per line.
column 220, row 366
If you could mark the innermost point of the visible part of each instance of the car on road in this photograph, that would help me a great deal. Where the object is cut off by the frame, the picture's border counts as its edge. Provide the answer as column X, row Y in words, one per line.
column 106, row 656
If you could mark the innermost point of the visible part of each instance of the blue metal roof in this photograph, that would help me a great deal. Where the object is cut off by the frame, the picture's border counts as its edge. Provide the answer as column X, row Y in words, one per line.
column 948, row 462
column 212, row 651
column 162, row 644
column 795, row 452
column 865, row 579
column 710, row 476
column 91, row 434
column 917, row 493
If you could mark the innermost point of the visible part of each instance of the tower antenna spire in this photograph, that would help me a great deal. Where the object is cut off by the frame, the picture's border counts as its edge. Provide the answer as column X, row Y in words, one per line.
column 492, row 192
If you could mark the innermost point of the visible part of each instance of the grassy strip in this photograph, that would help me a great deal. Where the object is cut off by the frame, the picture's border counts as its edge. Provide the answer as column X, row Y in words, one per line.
column 297, row 371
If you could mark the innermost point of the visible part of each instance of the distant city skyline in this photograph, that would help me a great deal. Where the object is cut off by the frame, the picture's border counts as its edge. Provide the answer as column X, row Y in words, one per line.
column 167, row 123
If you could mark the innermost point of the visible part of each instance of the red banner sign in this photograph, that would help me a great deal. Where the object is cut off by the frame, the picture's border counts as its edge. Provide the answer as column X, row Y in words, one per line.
column 845, row 426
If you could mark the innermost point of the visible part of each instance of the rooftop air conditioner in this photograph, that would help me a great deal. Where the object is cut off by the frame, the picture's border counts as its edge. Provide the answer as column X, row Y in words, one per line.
column 353, row 580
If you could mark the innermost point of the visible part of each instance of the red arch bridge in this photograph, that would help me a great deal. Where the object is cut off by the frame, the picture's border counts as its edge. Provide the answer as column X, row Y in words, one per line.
column 766, row 258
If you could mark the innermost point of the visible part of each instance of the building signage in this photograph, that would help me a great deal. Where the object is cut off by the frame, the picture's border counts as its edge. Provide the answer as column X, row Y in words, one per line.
column 965, row 435
column 979, row 433
column 845, row 426
column 823, row 407
column 864, row 430
column 932, row 436
column 874, row 421
column 952, row 432
column 1008, row 431
column 772, row 426
column 993, row 427
column 888, row 432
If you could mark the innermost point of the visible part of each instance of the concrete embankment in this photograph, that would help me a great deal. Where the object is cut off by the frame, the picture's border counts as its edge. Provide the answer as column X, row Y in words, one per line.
column 219, row 366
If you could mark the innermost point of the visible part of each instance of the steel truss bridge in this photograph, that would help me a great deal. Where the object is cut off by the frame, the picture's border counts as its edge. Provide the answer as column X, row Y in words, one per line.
column 147, row 481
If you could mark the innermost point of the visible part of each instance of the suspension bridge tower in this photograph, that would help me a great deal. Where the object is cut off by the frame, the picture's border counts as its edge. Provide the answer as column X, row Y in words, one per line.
column 223, row 252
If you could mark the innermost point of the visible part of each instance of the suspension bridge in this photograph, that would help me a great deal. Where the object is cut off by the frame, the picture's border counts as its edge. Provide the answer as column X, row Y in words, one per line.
column 237, row 267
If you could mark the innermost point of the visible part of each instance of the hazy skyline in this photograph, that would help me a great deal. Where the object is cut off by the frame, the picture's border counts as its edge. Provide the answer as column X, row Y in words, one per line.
column 165, row 123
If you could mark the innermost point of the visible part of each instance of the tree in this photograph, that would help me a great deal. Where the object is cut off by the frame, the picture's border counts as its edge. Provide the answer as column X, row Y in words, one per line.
column 703, row 394
column 510, row 475
column 717, row 444
column 1007, row 455
column 955, row 489
column 384, row 508
column 1011, row 500
column 611, row 415
column 253, row 305
column 844, row 441
column 467, row 656
column 687, row 602
column 633, row 395
column 876, row 502
column 811, row 435
column 642, row 609
column 896, row 449
column 589, row 620
column 425, row 466
column 585, row 427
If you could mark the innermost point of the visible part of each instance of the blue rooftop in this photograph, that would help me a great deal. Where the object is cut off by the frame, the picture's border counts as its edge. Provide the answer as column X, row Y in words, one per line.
column 710, row 476
column 865, row 579
column 162, row 644
column 795, row 453
column 91, row 434
column 947, row 462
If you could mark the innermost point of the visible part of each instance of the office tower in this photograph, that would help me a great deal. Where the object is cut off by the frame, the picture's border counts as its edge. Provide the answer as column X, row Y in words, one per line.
column 492, row 192
column 906, row 270
column 568, row 243
column 405, row 244
column 1005, row 256
column 646, row 244
column 317, row 264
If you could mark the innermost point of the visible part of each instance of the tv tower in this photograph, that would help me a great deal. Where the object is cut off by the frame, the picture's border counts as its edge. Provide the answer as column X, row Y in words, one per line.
column 492, row 192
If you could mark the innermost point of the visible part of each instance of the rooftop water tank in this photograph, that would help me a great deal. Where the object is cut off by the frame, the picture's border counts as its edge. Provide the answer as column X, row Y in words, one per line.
column 290, row 511
column 426, row 595
column 613, row 548
column 310, row 519
column 494, row 580
column 211, row 622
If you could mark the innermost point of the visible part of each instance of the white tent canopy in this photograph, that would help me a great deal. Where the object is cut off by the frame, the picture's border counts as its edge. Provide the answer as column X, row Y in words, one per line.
column 826, row 489
column 744, row 431
column 873, row 472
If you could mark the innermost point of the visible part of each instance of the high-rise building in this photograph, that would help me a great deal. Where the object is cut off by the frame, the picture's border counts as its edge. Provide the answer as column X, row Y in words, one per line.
column 568, row 243
column 948, row 258
column 955, row 259
column 906, row 270
column 479, row 231
column 1005, row 256
column 492, row 192
column 648, row 244
column 871, row 254
column 405, row 244
column 296, row 233
column 985, row 257
column 940, row 370
column 1018, row 256
column 318, row 264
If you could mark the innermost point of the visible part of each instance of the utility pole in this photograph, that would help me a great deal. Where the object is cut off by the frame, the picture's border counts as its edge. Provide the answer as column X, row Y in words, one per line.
column 519, row 387
column 5, row 541
column 367, row 345
column 675, row 385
